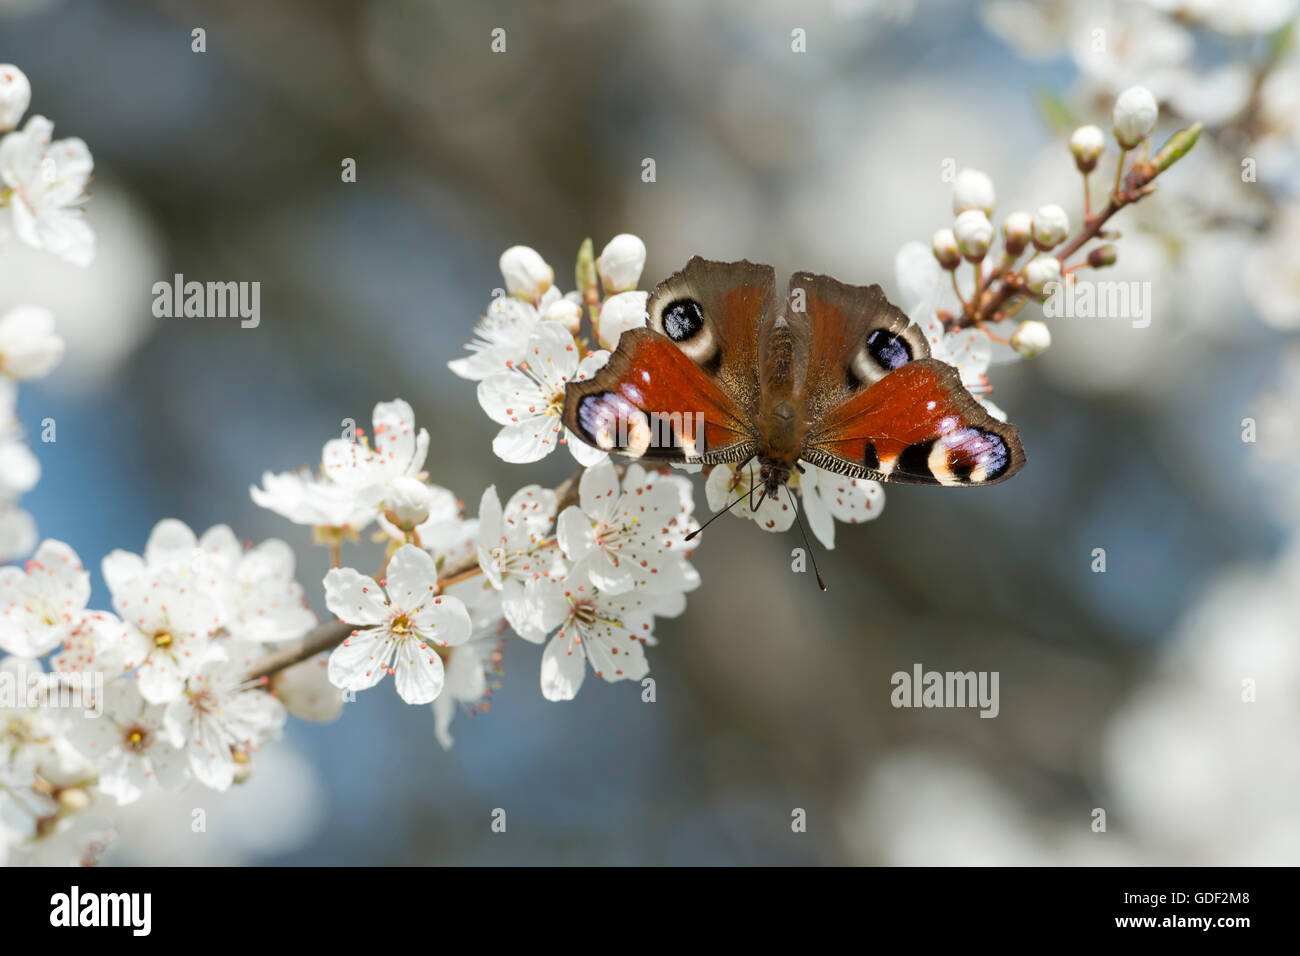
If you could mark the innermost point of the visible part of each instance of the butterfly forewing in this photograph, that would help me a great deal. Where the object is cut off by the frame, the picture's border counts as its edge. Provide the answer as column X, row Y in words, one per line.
column 715, row 313
column 856, row 337
column 651, row 401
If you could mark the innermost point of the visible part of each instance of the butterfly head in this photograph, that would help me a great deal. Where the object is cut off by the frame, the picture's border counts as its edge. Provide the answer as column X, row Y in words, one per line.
column 771, row 476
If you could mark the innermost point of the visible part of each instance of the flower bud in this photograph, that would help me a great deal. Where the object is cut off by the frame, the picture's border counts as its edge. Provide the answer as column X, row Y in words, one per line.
column 1087, row 144
column 526, row 273
column 1017, row 230
column 1103, row 256
column 620, row 313
column 565, row 311
column 945, row 249
column 1134, row 116
column 973, row 232
column 1031, row 338
column 620, row 263
column 972, row 190
column 1051, row 226
column 15, row 95
column 1179, row 145
column 1039, row 272
column 407, row 502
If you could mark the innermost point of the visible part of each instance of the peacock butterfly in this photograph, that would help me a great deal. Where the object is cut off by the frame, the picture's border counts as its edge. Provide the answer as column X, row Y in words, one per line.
column 836, row 377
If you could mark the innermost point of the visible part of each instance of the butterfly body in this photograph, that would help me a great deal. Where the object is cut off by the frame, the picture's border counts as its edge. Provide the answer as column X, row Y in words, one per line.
column 834, row 376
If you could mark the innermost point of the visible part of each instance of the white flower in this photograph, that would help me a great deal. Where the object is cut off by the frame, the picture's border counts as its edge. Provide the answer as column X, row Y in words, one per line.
column 263, row 601
column 305, row 499
column 974, row 232
column 973, row 190
column 1031, row 338
column 629, row 538
column 97, row 644
column 254, row 593
column 501, row 335
column 19, row 468
column 72, row 831
column 620, row 313
column 1051, row 226
column 529, row 398
column 1134, row 116
column 609, row 630
column 170, row 624
column 467, row 684
column 526, row 273
column 41, row 608
column 401, row 626
column 29, row 347
column 398, row 451
column 725, row 484
column 47, row 183
column 1041, row 271
column 218, row 722
column 17, row 532
column 620, row 263
column 15, row 95
column 128, row 745
column 518, row 555
column 828, row 497
column 30, row 733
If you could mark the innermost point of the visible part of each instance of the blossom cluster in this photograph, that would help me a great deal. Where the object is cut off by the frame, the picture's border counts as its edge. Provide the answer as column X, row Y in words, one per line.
column 42, row 184
column 153, row 688
column 968, row 314
column 1247, row 102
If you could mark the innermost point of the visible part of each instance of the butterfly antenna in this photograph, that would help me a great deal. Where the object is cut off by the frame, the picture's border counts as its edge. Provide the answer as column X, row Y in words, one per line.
column 807, row 547
column 715, row 517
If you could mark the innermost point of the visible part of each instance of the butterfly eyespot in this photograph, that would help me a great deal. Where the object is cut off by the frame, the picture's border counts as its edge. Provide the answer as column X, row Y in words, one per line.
column 683, row 319
column 889, row 350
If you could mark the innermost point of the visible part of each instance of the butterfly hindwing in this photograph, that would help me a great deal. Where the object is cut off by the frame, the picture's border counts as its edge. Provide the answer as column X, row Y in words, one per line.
column 651, row 401
column 917, row 424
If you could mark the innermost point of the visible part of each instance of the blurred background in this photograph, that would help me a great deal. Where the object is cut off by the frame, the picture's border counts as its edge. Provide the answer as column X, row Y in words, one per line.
column 1119, row 690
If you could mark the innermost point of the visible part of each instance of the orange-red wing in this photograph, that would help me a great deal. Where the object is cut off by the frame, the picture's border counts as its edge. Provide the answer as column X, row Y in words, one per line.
column 651, row 401
column 919, row 425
